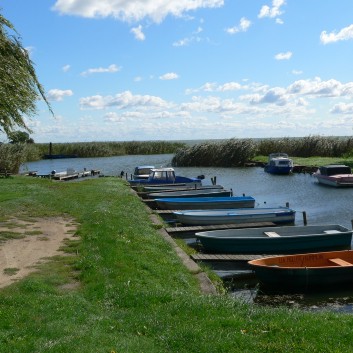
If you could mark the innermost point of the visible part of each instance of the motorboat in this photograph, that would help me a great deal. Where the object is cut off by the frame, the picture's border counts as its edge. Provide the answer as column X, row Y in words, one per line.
column 279, row 163
column 337, row 175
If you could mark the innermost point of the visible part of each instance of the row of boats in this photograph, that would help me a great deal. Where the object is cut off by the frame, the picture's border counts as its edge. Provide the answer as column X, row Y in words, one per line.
column 307, row 256
column 337, row 175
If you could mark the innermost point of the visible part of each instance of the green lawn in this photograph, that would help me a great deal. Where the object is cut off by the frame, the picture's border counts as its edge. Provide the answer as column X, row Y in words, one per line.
column 122, row 288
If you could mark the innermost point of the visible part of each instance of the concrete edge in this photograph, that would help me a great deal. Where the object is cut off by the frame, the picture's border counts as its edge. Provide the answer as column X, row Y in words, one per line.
column 206, row 285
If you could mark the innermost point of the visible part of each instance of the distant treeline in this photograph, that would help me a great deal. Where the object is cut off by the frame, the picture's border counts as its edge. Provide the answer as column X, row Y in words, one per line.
column 236, row 152
column 13, row 155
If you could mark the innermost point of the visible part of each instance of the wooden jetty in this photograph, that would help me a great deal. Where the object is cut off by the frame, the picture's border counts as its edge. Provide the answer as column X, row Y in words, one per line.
column 185, row 232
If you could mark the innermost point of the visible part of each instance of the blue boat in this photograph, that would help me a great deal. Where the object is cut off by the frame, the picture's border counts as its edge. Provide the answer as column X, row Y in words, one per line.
column 165, row 176
column 236, row 216
column 198, row 203
column 279, row 163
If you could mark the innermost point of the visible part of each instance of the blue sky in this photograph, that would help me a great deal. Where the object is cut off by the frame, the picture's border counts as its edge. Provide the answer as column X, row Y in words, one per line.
column 122, row 70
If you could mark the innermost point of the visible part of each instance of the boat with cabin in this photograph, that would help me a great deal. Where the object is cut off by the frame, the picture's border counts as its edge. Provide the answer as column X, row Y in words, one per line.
column 337, row 175
column 165, row 176
column 142, row 172
column 276, row 240
column 279, row 163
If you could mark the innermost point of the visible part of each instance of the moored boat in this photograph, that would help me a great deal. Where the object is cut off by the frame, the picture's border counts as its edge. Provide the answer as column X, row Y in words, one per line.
column 198, row 203
column 234, row 216
column 335, row 175
column 165, row 176
column 305, row 271
column 191, row 193
column 142, row 172
column 279, row 163
column 178, row 187
column 277, row 240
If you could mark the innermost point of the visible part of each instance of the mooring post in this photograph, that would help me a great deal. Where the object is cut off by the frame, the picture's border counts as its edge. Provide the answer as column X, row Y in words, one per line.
column 304, row 218
column 352, row 223
column 287, row 204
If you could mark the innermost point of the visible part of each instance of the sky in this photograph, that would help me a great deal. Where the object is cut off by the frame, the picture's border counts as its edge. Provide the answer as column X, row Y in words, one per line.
column 143, row 70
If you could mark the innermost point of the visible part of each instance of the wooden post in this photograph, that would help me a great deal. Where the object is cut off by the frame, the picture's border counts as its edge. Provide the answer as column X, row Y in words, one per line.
column 304, row 218
column 287, row 204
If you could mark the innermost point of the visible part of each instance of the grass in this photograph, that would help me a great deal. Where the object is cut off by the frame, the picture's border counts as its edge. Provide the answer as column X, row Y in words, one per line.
column 121, row 288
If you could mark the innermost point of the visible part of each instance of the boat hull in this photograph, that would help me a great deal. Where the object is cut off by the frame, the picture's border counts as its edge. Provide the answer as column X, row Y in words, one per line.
column 291, row 240
column 278, row 170
column 202, row 203
column 234, row 216
column 191, row 193
column 336, row 181
column 305, row 271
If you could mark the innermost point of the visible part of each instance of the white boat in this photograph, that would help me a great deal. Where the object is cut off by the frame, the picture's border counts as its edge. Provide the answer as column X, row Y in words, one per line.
column 142, row 172
column 191, row 193
column 276, row 240
column 279, row 163
column 198, row 203
column 335, row 175
column 234, row 216
column 165, row 176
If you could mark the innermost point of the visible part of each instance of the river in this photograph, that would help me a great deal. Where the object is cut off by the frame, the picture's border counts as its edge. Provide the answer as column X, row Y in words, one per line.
column 323, row 205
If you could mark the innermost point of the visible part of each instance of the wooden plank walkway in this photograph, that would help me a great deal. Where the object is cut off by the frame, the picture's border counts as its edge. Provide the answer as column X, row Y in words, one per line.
column 226, row 257
column 193, row 229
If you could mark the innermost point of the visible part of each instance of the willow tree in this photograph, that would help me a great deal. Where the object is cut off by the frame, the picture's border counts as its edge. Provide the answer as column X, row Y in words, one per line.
column 19, row 85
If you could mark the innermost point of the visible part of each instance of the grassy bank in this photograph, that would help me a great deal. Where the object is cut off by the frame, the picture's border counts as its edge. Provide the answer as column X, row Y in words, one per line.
column 131, row 293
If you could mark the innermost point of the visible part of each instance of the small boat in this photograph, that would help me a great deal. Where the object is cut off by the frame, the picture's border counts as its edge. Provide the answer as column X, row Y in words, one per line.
column 178, row 187
column 335, row 175
column 165, row 176
column 198, row 203
column 325, row 270
column 191, row 193
column 276, row 240
column 142, row 172
column 279, row 163
column 234, row 216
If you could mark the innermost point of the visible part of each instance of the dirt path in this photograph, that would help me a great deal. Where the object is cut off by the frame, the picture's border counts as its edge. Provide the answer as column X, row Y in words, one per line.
column 42, row 239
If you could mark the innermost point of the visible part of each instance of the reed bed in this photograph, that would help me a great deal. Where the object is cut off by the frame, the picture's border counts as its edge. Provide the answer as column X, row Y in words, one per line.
column 237, row 152
column 231, row 153
column 102, row 149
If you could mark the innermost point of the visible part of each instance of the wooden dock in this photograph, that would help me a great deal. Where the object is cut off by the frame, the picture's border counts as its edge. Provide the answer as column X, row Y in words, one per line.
column 182, row 232
column 226, row 257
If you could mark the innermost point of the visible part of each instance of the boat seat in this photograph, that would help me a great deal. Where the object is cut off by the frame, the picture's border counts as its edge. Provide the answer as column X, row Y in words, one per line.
column 272, row 234
column 340, row 262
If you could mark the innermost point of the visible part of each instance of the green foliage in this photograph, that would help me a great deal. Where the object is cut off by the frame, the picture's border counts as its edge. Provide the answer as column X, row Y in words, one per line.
column 19, row 86
column 230, row 153
column 108, row 149
column 20, row 137
column 233, row 152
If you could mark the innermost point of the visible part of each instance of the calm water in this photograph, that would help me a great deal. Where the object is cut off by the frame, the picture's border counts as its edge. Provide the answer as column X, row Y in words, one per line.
column 323, row 205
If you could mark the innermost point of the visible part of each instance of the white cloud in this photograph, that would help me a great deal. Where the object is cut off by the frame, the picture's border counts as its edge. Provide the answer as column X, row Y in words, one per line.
column 110, row 69
column 58, row 94
column 132, row 10
column 344, row 34
column 272, row 12
column 66, row 68
column 169, row 76
column 137, row 31
column 342, row 108
column 124, row 100
column 243, row 26
column 284, row 56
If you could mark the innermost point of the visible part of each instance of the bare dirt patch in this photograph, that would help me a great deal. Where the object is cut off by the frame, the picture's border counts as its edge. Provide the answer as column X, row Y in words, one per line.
column 39, row 240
